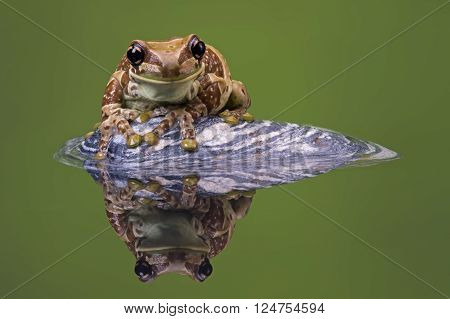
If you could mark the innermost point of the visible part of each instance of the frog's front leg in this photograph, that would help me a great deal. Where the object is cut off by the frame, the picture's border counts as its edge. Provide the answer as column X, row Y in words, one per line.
column 114, row 116
column 187, row 117
column 152, row 138
column 237, row 105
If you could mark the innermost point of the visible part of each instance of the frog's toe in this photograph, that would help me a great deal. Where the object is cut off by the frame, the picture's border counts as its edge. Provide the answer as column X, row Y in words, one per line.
column 135, row 184
column 232, row 120
column 151, row 138
column 153, row 186
column 144, row 117
column 224, row 114
column 249, row 193
column 248, row 117
column 100, row 156
column 134, row 140
column 190, row 180
column 189, row 144
column 146, row 201
column 232, row 194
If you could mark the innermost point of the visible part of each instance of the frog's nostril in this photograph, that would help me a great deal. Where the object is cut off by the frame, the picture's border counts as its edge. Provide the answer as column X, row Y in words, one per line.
column 171, row 71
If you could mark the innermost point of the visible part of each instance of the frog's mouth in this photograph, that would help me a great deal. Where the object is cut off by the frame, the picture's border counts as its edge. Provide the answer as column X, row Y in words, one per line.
column 171, row 80
column 177, row 242
column 170, row 90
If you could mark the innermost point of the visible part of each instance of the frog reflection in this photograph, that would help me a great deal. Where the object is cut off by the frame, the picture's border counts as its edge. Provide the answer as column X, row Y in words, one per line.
column 171, row 232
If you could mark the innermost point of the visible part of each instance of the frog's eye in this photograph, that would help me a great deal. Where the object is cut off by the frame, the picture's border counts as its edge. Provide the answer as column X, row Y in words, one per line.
column 204, row 270
column 198, row 48
column 144, row 271
column 136, row 54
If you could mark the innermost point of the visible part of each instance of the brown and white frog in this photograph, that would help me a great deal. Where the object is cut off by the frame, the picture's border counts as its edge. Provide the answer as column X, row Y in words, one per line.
column 176, row 233
column 181, row 79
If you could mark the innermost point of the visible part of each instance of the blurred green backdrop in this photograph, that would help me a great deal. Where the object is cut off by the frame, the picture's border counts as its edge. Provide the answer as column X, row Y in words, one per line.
column 398, row 97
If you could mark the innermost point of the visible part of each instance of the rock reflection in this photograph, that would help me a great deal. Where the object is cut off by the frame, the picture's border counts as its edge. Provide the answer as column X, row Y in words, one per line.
column 169, row 231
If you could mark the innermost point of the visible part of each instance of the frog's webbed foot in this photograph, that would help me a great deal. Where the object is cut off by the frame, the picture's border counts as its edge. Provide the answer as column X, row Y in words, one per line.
column 152, row 138
column 233, row 117
column 116, row 117
column 185, row 117
column 236, row 194
column 166, row 196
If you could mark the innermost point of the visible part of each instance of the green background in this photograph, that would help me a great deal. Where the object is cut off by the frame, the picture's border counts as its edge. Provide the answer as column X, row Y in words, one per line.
column 398, row 97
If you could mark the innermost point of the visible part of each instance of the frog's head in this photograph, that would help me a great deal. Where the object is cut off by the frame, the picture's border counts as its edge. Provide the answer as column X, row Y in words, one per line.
column 166, row 70
column 168, row 242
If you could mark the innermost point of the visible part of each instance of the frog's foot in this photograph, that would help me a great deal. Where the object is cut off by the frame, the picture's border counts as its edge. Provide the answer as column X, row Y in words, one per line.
column 135, row 185
column 153, row 186
column 188, row 141
column 190, row 180
column 118, row 120
column 145, row 116
column 166, row 196
column 189, row 144
column 152, row 138
column 233, row 117
column 235, row 194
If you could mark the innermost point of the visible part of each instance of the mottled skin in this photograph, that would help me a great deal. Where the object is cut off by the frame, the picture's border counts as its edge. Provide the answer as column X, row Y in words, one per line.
column 170, row 81
column 208, row 222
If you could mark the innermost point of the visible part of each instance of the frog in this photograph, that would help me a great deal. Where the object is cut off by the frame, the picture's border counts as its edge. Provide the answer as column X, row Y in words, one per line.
column 175, row 233
column 180, row 79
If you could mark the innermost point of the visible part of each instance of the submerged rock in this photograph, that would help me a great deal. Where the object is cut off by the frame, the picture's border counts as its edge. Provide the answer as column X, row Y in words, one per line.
column 244, row 156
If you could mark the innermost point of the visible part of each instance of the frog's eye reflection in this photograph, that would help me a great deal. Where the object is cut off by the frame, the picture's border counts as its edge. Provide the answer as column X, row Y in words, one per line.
column 198, row 48
column 136, row 54
column 204, row 270
column 144, row 271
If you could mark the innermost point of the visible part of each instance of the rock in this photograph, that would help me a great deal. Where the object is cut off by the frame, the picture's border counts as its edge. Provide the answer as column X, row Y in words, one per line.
column 244, row 156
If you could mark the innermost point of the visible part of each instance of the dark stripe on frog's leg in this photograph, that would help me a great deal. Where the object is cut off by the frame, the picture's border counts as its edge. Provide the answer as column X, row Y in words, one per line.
column 128, row 114
column 152, row 138
column 166, row 196
column 117, row 201
column 113, row 115
column 195, row 110
column 114, row 90
column 189, row 192
column 105, row 132
column 186, row 125
column 122, row 125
